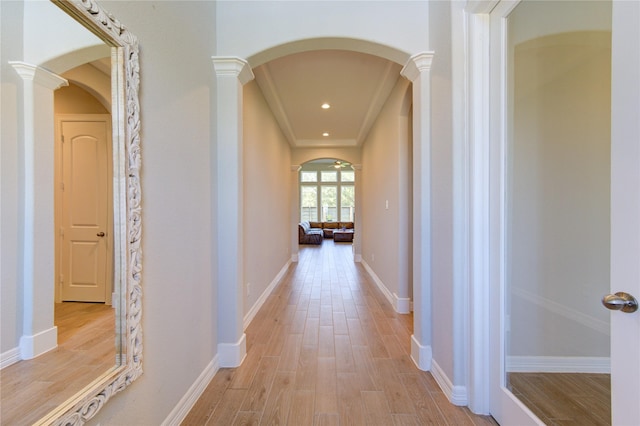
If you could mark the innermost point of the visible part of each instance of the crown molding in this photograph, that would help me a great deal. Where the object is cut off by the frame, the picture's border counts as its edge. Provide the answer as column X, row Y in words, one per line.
column 233, row 66
column 39, row 75
column 417, row 64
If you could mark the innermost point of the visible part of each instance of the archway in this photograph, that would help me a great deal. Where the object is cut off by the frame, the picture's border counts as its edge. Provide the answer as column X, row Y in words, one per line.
column 232, row 73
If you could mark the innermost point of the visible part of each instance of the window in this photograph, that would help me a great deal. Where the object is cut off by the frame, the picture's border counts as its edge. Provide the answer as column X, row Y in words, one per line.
column 327, row 195
column 347, row 176
column 329, row 203
column 309, row 203
column 347, row 203
column 331, row 176
column 308, row 176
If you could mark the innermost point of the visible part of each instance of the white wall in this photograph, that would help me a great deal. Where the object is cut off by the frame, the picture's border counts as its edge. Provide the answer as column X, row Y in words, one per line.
column 179, row 307
column 385, row 175
column 267, row 196
column 443, row 295
column 11, row 14
column 249, row 28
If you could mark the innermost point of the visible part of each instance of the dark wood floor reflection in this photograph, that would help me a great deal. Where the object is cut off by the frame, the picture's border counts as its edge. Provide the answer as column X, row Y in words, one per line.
column 327, row 349
column 565, row 398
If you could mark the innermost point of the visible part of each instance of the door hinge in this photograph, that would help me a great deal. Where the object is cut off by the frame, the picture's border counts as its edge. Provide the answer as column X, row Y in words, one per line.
column 62, row 232
column 62, row 186
column 61, row 279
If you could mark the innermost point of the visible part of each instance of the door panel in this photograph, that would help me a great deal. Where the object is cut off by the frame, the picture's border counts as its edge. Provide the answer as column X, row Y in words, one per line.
column 566, row 174
column 625, row 209
column 85, row 211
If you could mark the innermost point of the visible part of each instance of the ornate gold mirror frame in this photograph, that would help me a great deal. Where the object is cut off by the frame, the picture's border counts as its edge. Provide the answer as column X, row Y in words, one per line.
column 127, row 215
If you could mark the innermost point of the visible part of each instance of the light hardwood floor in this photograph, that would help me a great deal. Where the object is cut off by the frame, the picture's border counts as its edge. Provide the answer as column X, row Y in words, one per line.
column 565, row 398
column 327, row 349
column 86, row 348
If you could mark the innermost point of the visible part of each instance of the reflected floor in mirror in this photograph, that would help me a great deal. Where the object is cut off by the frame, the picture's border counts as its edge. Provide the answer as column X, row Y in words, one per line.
column 326, row 348
column 86, row 349
column 565, row 398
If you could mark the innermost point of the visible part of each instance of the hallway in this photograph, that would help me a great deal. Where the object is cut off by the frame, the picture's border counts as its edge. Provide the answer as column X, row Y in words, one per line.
column 327, row 349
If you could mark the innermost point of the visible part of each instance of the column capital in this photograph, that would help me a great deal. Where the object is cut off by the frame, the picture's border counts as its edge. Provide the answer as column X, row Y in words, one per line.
column 416, row 65
column 234, row 66
column 38, row 75
column 296, row 167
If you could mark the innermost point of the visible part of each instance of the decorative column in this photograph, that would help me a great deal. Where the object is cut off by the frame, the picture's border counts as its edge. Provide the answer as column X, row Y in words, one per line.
column 357, row 236
column 39, row 335
column 295, row 210
column 418, row 71
column 231, row 74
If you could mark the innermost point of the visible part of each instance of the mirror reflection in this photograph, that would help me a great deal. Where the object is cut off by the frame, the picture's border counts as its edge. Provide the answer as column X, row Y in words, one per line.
column 72, row 314
column 557, row 209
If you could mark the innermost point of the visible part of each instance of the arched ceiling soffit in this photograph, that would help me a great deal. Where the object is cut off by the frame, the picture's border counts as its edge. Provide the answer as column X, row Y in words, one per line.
column 355, row 77
column 75, row 58
column 329, row 43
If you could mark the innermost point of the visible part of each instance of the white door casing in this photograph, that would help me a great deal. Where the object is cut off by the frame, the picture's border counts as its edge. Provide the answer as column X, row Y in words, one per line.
column 84, row 225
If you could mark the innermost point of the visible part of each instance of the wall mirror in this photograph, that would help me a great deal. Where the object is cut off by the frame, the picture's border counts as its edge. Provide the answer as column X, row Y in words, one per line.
column 122, row 342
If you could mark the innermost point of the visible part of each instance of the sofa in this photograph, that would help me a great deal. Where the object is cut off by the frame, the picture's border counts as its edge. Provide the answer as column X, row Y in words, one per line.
column 314, row 232
column 309, row 235
column 329, row 227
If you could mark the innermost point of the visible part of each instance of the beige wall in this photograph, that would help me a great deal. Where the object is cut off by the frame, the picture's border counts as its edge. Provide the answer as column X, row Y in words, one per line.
column 73, row 99
column 385, row 173
column 267, row 196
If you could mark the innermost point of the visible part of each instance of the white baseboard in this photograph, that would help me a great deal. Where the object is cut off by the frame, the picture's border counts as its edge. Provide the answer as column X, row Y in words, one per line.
column 231, row 355
column 186, row 403
column 457, row 395
column 9, row 357
column 385, row 291
column 357, row 258
column 294, row 258
column 265, row 294
column 421, row 354
column 39, row 343
column 558, row 364
column 402, row 305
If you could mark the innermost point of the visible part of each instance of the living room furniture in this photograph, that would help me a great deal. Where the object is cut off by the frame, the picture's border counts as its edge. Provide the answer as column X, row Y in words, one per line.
column 309, row 235
column 329, row 227
column 343, row 235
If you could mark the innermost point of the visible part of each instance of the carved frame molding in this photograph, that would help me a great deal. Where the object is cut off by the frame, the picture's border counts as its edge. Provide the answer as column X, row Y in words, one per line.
column 128, row 220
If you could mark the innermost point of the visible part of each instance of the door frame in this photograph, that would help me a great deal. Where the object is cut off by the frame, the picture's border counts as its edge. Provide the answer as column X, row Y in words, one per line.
column 484, row 326
column 58, row 199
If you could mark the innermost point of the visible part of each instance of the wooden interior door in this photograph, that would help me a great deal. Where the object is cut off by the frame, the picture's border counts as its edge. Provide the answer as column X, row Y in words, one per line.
column 84, row 232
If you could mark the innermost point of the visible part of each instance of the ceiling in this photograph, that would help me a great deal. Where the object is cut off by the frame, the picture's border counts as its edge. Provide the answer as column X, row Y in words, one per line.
column 356, row 85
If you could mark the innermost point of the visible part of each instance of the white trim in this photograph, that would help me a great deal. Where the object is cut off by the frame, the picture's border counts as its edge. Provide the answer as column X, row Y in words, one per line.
column 457, row 395
column 9, row 357
column 383, row 288
column 558, row 364
column 186, row 403
column 294, row 258
column 232, row 354
column 402, row 305
column 357, row 258
column 39, row 343
column 265, row 294
column 421, row 355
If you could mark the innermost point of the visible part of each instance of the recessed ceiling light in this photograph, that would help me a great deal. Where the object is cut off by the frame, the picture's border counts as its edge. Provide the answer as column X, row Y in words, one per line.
column 326, row 106
column 325, row 134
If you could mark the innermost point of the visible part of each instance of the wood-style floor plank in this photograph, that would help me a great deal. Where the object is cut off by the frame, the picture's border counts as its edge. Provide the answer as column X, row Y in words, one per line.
column 565, row 398
column 30, row 389
column 328, row 349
